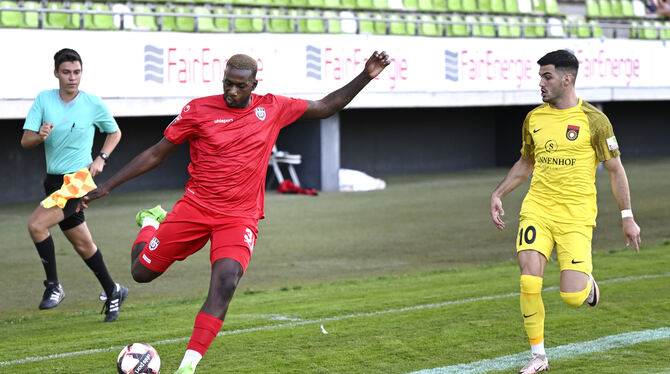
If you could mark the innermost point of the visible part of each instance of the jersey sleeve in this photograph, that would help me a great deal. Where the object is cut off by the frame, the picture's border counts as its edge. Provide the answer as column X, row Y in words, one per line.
column 34, row 117
column 527, row 145
column 183, row 127
column 104, row 119
column 292, row 109
column 603, row 140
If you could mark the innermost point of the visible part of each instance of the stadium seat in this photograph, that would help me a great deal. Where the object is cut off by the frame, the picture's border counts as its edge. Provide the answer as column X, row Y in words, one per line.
column 524, row 6
column 242, row 24
column 144, row 21
column 427, row 26
column 501, row 25
column 592, row 8
column 440, row 5
column 101, row 21
column 634, row 29
column 316, row 3
column 454, row 5
column 639, row 8
column 484, row 6
column 76, row 20
column 555, row 28
column 533, row 27
column 364, row 4
column 314, row 25
column 396, row 26
column 617, row 8
column 332, row 4
column 31, row 19
column 551, row 7
column 298, row 3
column 456, row 27
column 627, row 9
column 380, row 24
column 596, row 29
column 605, row 8
column 204, row 23
column 514, row 27
column 333, row 24
column 10, row 18
column 487, row 28
column 183, row 23
column 665, row 33
column 473, row 25
column 511, row 6
column 348, row 22
column 167, row 23
column 497, row 6
column 380, row 4
column 55, row 20
column 221, row 24
column 280, row 25
column 275, row 3
column 421, row 5
column 123, row 19
column 469, row 5
column 649, row 30
column 538, row 6
column 348, row 4
column 365, row 23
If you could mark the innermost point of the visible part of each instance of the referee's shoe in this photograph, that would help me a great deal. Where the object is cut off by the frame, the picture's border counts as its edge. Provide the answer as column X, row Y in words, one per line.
column 113, row 304
column 53, row 295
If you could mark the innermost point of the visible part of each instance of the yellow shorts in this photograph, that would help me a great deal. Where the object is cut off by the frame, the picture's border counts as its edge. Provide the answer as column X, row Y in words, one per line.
column 573, row 242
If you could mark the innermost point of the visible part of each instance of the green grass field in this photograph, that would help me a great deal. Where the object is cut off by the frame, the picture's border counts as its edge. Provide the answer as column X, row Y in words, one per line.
column 410, row 278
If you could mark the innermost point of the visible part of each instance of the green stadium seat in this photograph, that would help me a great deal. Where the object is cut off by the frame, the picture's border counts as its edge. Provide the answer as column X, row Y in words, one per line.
column 332, row 4
column 242, row 24
column 75, row 20
column 316, row 3
column 184, row 23
column 487, row 29
column 312, row 25
column 101, row 21
column 605, row 8
column 380, row 4
column 514, row 27
column 348, row 4
column 123, row 18
column 596, row 28
column 365, row 23
column 31, row 19
column 538, row 6
column 524, row 6
column 221, row 24
column 333, row 24
column 144, row 22
column 456, row 28
column 54, row 20
column 649, row 30
column 501, row 25
column 364, row 4
column 167, row 23
column 617, row 8
column 441, row 24
column 396, row 27
column 533, row 27
column 473, row 25
column 665, row 32
column 592, row 9
column 484, row 6
column 10, row 18
column 348, row 22
column 427, row 26
column 627, row 9
column 205, row 23
column 279, row 3
column 511, row 6
column 421, row 5
column 454, row 5
column 469, row 5
column 298, row 3
column 440, row 5
column 280, row 25
column 551, row 7
column 497, row 6
column 379, row 25
column 639, row 9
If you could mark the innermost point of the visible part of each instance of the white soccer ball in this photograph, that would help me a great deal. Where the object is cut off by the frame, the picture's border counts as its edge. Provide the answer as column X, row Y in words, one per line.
column 138, row 358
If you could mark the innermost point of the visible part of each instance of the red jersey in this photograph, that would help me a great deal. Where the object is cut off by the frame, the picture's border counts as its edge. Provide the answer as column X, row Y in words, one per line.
column 230, row 149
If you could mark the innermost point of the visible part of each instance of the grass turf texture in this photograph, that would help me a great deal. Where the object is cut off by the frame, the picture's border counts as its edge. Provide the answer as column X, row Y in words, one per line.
column 421, row 241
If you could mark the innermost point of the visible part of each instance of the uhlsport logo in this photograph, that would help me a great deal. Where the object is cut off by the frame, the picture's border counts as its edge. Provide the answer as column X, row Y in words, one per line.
column 313, row 62
column 451, row 65
column 153, row 63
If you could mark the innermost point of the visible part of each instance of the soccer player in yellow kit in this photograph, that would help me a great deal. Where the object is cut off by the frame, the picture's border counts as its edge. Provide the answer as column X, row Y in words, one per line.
column 564, row 140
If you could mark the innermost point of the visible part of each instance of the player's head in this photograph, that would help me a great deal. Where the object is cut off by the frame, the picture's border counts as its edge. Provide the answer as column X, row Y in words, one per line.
column 239, row 80
column 68, row 68
column 558, row 72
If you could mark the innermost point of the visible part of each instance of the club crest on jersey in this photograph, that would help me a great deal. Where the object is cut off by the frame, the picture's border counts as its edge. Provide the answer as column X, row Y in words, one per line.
column 153, row 244
column 572, row 132
column 187, row 108
column 260, row 113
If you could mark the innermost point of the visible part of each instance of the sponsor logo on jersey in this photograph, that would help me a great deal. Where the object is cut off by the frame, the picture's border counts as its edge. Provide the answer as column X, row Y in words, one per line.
column 153, row 244
column 260, row 113
column 551, row 146
column 223, row 120
column 249, row 239
column 556, row 161
column 572, row 132
column 612, row 143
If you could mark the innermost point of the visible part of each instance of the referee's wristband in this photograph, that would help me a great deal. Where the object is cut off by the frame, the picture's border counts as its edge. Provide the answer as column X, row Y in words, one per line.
column 627, row 213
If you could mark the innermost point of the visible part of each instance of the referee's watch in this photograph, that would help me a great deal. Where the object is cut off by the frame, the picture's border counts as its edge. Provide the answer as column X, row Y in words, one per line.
column 104, row 156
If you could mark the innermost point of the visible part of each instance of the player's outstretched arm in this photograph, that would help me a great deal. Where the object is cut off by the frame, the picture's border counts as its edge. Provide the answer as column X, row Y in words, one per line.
column 142, row 163
column 516, row 175
column 621, row 191
column 338, row 99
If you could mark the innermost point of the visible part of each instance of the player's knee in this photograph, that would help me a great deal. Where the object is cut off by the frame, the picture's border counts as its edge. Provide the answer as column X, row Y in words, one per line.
column 574, row 298
column 141, row 274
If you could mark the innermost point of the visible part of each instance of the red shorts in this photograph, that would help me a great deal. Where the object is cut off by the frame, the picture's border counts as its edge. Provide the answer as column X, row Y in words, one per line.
column 188, row 227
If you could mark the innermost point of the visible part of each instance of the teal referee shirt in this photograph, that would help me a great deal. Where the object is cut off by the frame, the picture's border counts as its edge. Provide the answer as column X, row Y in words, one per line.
column 68, row 147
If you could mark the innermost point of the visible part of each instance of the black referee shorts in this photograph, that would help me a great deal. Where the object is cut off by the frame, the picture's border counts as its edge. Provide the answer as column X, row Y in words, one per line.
column 52, row 183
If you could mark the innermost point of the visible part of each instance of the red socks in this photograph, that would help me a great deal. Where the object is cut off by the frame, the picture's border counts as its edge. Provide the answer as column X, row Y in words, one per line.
column 205, row 330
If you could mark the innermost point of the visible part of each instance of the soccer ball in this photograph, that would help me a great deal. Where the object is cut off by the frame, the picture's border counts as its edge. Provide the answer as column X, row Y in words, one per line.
column 138, row 358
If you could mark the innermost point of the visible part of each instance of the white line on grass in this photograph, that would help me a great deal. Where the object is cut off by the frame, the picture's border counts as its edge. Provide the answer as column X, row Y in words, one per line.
column 312, row 321
column 569, row 350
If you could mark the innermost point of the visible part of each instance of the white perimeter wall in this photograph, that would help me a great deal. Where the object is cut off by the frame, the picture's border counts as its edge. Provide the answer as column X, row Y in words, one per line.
column 156, row 73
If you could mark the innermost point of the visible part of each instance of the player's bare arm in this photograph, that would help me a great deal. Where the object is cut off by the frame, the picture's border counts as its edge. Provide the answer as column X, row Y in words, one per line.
column 108, row 146
column 31, row 139
column 338, row 99
column 142, row 163
column 621, row 191
column 518, row 174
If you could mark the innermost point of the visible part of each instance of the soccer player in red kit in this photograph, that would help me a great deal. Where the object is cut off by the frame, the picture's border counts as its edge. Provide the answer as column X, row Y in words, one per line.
column 231, row 138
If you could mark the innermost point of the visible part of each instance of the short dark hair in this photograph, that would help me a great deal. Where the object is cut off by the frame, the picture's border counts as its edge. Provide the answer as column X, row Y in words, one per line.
column 243, row 62
column 563, row 60
column 66, row 54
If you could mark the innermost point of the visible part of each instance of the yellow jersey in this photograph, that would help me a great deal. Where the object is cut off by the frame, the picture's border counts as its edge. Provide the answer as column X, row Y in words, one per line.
column 567, row 145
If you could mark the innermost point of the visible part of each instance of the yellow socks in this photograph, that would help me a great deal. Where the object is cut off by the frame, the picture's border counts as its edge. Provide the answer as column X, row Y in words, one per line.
column 576, row 298
column 532, row 308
